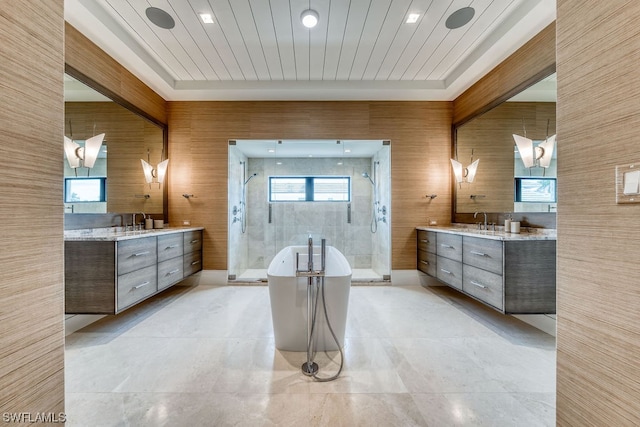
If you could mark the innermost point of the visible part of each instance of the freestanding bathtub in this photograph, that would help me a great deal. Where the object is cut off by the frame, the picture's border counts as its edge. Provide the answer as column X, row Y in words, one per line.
column 288, row 295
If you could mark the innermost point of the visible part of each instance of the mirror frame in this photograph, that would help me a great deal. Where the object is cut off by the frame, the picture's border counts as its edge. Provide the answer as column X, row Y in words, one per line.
column 528, row 219
column 129, row 106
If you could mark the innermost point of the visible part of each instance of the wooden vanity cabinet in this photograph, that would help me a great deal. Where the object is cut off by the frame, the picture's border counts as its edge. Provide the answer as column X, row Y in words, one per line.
column 108, row 276
column 512, row 276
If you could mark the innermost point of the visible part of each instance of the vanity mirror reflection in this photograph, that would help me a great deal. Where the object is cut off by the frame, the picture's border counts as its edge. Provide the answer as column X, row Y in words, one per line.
column 117, row 180
column 502, row 183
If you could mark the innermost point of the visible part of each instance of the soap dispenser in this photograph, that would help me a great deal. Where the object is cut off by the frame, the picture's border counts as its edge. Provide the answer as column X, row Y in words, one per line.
column 507, row 223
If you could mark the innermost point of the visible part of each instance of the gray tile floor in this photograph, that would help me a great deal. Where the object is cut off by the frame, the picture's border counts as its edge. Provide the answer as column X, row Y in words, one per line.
column 205, row 356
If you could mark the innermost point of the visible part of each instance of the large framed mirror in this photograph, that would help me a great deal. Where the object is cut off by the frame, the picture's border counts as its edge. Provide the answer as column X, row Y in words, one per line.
column 503, row 184
column 129, row 136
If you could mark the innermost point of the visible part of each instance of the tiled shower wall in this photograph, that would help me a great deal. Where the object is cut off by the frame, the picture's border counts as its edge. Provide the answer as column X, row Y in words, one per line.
column 292, row 222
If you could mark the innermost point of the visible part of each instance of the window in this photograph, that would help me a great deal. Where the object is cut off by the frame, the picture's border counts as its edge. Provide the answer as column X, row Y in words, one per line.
column 535, row 190
column 78, row 190
column 309, row 189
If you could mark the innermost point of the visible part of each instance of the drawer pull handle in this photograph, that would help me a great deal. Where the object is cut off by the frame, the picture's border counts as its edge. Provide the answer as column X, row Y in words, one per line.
column 172, row 247
column 141, row 285
column 141, row 253
column 424, row 241
column 446, row 246
column 445, row 271
column 194, row 241
column 172, row 272
column 424, row 262
column 195, row 262
column 474, row 283
column 478, row 253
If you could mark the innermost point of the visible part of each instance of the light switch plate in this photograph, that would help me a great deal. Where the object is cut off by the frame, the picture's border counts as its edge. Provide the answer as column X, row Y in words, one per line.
column 628, row 183
column 186, row 222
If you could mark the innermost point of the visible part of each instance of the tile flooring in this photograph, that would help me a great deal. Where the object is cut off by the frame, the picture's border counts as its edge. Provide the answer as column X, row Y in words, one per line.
column 204, row 355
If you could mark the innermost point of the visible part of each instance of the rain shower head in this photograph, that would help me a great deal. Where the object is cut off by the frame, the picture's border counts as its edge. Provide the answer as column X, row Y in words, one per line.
column 249, row 179
column 366, row 175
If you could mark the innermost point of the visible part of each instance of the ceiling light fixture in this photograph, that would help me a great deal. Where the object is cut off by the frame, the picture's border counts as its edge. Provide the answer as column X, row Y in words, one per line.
column 206, row 18
column 413, row 18
column 309, row 18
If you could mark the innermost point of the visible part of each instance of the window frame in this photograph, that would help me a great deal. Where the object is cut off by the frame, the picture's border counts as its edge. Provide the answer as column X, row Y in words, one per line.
column 309, row 187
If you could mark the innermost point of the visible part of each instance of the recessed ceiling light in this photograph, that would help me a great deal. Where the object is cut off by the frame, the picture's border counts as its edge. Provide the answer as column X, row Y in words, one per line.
column 309, row 18
column 347, row 150
column 159, row 17
column 460, row 18
column 206, row 18
column 413, row 18
column 271, row 150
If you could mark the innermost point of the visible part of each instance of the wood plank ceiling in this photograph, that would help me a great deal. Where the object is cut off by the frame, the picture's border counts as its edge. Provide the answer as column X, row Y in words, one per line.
column 258, row 44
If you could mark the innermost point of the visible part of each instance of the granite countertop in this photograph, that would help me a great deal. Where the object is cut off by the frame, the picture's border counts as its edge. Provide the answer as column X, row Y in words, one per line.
column 526, row 233
column 118, row 233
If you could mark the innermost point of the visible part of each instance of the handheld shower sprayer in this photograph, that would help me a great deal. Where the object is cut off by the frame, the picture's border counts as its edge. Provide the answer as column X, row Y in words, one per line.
column 249, row 179
column 366, row 175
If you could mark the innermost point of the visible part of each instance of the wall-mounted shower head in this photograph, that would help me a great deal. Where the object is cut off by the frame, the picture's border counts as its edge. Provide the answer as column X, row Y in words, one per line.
column 249, row 179
column 366, row 175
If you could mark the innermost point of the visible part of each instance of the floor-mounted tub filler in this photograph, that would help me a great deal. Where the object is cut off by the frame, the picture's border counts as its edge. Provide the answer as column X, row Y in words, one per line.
column 309, row 292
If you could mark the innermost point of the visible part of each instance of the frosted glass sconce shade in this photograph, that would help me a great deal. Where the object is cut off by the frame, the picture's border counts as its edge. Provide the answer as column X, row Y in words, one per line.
column 533, row 155
column 159, row 173
column 467, row 174
column 83, row 156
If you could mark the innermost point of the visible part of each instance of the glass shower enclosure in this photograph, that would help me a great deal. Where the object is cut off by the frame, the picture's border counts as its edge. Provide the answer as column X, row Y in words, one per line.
column 283, row 191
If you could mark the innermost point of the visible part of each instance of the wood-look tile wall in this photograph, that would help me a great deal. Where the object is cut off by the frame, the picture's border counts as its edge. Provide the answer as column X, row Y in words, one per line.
column 127, row 136
column 420, row 135
column 598, row 370
column 491, row 138
column 31, row 209
column 85, row 57
column 520, row 70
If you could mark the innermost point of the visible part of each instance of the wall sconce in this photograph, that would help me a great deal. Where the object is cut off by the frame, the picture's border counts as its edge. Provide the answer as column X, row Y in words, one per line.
column 83, row 155
column 467, row 174
column 535, row 155
column 158, row 173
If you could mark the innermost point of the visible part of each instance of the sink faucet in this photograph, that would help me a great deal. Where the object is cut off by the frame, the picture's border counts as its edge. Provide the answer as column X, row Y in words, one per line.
column 134, row 219
column 485, row 218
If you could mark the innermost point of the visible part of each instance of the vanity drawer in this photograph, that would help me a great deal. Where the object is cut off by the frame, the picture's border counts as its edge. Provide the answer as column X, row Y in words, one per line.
column 136, row 285
column 192, row 241
column 482, row 253
column 427, row 262
column 427, row 241
column 170, row 272
column 134, row 254
column 449, row 271
column 484, row 285
column 449, row 246
column 192, row 262
column 170, row 246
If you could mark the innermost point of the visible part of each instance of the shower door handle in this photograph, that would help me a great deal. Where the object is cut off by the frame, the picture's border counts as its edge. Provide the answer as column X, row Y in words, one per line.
column 270, row 206
column 348, row 213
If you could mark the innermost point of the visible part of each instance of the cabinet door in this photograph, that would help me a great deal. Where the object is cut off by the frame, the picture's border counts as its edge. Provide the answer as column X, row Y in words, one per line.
column 449, row 246
column 136, row 286
column 427, row 262
column 170, row 246
column 135, row 254
column 449, row 271
column 482, row 253
column 483, row 285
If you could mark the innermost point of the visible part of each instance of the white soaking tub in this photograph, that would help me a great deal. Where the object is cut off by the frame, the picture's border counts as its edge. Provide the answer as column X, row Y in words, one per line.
column 288, row 295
